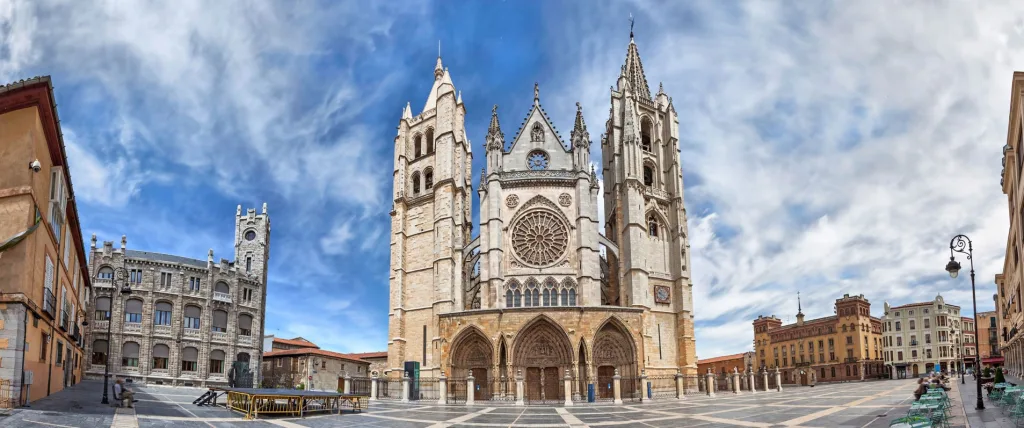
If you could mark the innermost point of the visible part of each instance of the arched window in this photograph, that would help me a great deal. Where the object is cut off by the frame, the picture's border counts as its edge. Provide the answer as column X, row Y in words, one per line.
column 222, row 287
column 652, row 225
column 192, row 315
column 415, row 183
column 547, row 297
column 565, row 297
column 248, row 264
column 536, row 297
column 518, row 299
column 245, row 325
column 99, row 351
column 216, row 361
column 220, row 321
column 648, row 176
column 133, row 310
column 833, row 372
column 572, row 297
column 645, row 134
column 160, row 355
column 242, row 357
column 428, row 179
column 102, row 309
column 509, row 300
column 130, row 354
column 418, row 146
column 105, row 274
column 162, row 313
column 529, row 298
column 189, row 359
column 430, row 141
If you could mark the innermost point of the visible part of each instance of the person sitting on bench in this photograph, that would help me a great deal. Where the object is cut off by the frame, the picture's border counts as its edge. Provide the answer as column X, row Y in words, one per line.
column 122, row 392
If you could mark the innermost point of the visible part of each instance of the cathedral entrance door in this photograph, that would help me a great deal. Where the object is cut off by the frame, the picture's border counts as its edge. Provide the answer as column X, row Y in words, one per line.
column 533, row 386
column 604, row 382
column 481, row 384
column 553, row 388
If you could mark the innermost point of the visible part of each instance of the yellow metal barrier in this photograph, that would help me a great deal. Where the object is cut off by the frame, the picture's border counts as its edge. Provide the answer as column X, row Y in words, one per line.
column 254, row 404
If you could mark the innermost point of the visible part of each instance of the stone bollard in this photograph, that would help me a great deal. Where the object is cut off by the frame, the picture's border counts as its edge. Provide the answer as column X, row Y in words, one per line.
column 709, row 383
column 568, row 388
column 680, row 392
column 764, row 373
column 373, row 388
column 643, row 386
column 519, row 387
column 405, row 388
column 470, row 391
column 750, row 381
column 617, row 387
column 778, row 379
column 861, row 371
column 442, row 386
column 735, row 380
column 347, row 386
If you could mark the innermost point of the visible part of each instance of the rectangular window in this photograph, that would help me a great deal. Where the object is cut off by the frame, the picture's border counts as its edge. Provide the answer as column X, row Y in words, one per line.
column 191, row 322
column 162, row 318
column 99, row 357
column 44, row 346
column 899, row 356
column 165, row 279
column 129, row 361
column 248, row 264
column 130, row 317
column 831, row 356
column 67, row 246
column 188, row 366
column 194, row 284
column 60, row 353
column 135, row 276
column 216, row 366
column 245, row 331
column 280, row 362
column 58, row 202
column 159, row 363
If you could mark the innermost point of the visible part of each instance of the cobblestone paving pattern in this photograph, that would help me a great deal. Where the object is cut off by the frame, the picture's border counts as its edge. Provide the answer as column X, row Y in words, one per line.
column 861, row 405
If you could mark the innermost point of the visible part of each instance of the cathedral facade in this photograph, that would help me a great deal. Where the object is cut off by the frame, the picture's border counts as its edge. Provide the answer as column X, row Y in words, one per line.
column 544, row 290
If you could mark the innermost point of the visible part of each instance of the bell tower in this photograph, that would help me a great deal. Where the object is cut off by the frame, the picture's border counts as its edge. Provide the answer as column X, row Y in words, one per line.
column 431, row 222
column 252, row 242
column 645, row 216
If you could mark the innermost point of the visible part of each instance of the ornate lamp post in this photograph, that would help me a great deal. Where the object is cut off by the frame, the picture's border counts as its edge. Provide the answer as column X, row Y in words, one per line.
column 962, row 244
column 120, row 277
column 963, row 366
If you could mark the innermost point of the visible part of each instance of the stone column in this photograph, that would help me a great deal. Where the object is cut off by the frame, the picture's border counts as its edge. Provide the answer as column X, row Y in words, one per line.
column 861, row 370
column 709, row 383
column 405, row 387
column 519, row 387
column 347, row 386
column 778, row 379
column 617, row 387
column 764, row 373
column 470, row 390
column 643, row 386
column 442, row 387
column 680, row 388
column 750, row 381
column 892, row 371
column 373, row 388
column 735, row 380
column 568, row 388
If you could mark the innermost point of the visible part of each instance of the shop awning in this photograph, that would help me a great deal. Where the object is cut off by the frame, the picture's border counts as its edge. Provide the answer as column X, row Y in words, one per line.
column 993, row 360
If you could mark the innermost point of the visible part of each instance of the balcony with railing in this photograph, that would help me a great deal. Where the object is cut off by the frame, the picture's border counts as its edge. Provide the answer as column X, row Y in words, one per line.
column 100, row 326
column 220, row 336
column 103, row 283
column 191, row 333
column 222, row 297
column 851, row 359
column 49, row 303
column 162, row 330
column 64, row 320
column 132, row 327
column 244, row 340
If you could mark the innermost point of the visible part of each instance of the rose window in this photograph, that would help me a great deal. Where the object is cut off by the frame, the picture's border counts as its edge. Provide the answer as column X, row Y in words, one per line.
column 537, row 160
column 540, row 238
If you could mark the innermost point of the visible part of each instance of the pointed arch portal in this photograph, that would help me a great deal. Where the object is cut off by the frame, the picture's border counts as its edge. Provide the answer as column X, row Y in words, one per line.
column 614, row 350
column 543, row 352
column 471, row 351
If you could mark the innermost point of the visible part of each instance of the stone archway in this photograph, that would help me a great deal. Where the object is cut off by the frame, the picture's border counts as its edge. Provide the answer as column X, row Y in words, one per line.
column 471, row 350
column 614, row 350
column 543, row 352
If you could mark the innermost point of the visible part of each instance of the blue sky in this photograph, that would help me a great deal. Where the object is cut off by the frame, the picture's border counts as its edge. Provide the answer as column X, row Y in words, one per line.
column 827, row 147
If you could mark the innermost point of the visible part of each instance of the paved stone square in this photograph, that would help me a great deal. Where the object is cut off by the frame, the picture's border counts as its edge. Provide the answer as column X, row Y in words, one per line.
column 857, row 404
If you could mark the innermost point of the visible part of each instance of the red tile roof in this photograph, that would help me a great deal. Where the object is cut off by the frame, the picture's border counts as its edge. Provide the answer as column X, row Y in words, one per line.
column 365, row 355
column 306, row 351
column 722, row 358
column 298, row 341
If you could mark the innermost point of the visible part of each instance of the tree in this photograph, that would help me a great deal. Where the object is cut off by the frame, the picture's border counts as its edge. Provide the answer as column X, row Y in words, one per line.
column 999, row 375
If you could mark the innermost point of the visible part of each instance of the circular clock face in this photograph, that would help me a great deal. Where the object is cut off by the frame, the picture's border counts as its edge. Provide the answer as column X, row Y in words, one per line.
column 250, row 235
column 662, row 293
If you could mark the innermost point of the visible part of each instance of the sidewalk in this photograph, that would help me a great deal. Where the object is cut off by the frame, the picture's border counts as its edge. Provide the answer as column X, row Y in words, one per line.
column 990, row 417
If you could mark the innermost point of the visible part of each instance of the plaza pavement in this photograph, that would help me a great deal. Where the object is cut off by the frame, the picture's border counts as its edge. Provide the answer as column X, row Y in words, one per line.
column 855, row 404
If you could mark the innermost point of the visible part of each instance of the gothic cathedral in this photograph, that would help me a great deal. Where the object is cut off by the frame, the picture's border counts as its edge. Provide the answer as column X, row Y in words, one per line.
column 541, row 293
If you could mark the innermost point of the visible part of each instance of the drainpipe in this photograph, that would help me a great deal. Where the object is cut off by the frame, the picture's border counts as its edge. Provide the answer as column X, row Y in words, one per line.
column 24, row 329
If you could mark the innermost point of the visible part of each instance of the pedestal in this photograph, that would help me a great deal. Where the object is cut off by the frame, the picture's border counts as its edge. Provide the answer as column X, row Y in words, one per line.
column 442, row 387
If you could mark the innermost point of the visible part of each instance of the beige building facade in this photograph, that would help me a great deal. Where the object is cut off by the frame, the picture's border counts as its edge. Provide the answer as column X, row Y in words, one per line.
column 44, row 280
column 532, row 295
column 1009, row 282
column 186, row 321
column 921, row 338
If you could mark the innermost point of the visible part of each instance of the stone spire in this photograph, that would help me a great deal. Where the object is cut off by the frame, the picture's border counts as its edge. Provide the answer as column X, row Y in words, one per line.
column 799, row 310
column 407, row 112
column 633, row 70
column 536, row 93
column 495, row 138
column 579, row 136
column 439, row 68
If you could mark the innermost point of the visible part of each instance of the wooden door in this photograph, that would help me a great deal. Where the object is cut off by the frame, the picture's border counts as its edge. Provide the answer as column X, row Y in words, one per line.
column 533, row 383
column 604, row 382
column 480, row 385
column 341, row 384
column 803, row 378
column 552, row 383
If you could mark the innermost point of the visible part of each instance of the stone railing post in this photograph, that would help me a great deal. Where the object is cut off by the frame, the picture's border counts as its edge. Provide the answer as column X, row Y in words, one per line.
column 519, row 387
column 405, row 387
column 617, row 387
column 373, row 387
column 442, row 387
column 862, row 370
column 680, row 392
column 643, row 386
column 750, row 381
column 735, row 380
column 709, row 383
column 764, row 374
column 347, row 386
column 470, row 390
column 778, row 379
column 568, row 388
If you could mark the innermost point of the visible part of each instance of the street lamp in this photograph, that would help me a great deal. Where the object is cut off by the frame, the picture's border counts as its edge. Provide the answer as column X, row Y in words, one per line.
column 962, row 244
column 120, row 276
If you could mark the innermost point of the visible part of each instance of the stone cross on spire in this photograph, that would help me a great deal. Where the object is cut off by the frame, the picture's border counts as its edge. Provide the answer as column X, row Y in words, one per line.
column 536, row 93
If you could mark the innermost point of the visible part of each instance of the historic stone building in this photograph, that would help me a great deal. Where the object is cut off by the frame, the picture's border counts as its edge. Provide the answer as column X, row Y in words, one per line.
column 186, row 321
column 917, row 336
column 1010, row 282
column 842, row 347
column 727, row 363
column 988, row 339
column 532, row 295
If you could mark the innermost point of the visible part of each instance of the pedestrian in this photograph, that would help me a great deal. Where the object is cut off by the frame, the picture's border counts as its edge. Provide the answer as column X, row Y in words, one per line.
column 122, row 391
